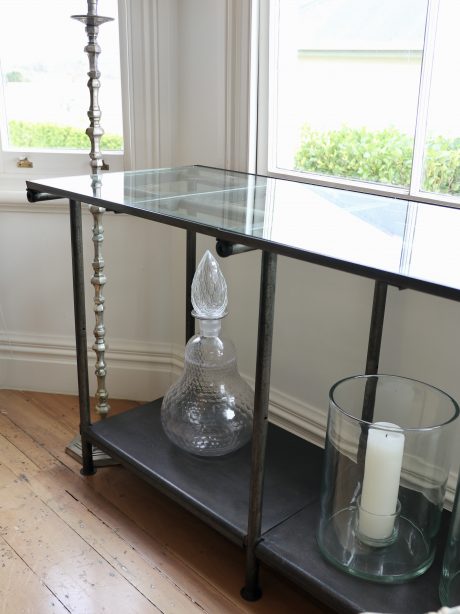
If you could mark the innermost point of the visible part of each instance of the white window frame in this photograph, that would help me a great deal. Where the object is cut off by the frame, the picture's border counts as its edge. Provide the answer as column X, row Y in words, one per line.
column 147, row 32
column 266, row 116
column 48, row 163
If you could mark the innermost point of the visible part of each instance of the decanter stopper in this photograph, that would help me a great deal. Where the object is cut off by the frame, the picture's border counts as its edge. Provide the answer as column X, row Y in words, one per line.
column 208, row 411
column 209, row 289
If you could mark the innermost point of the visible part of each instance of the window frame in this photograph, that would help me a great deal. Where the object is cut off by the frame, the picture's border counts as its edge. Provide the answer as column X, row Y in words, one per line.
column 266, row 119
column 70, row 162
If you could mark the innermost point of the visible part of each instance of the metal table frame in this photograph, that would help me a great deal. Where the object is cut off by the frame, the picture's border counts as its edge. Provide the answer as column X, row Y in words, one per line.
column 225, row 246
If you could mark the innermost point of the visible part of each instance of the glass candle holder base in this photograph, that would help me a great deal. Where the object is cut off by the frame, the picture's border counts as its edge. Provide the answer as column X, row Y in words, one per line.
column 403, row 555
column 377, row 530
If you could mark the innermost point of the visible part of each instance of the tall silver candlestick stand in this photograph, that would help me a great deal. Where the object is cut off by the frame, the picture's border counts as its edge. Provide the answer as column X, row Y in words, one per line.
column 92, row 22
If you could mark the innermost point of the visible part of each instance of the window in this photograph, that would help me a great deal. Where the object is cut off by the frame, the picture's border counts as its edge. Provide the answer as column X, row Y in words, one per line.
column 44, row 96
column 361, row 93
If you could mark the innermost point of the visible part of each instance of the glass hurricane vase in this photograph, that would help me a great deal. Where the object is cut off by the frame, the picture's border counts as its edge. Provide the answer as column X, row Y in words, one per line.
column 385, row 476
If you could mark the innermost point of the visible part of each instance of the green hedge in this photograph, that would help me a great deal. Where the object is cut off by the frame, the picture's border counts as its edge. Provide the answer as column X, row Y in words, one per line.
column 15, row 77
column 51, row 136
column 383, row 156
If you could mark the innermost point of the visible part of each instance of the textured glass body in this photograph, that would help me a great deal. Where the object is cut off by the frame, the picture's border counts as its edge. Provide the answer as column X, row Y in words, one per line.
column 208, row 411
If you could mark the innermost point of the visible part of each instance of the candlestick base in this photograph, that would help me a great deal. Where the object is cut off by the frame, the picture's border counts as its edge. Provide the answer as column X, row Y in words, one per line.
column 404, row 555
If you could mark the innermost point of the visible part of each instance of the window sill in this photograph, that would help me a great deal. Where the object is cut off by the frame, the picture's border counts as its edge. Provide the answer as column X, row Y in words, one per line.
column 13, row 196
column 12, row 190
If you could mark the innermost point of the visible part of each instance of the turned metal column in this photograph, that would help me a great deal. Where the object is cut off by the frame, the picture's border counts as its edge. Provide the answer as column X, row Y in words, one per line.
column 98, row 281
column 77, row 447
column 92, row 22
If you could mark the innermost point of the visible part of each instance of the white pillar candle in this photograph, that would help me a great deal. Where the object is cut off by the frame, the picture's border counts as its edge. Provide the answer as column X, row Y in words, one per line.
column 382, row 473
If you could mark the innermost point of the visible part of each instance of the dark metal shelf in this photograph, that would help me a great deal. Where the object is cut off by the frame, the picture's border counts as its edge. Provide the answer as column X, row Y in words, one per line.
column 215, row 489
column 291, row 548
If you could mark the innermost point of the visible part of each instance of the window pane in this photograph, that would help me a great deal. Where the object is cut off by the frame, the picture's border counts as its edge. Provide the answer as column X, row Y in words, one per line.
column 441, row 168
column 44, row 76
column 346, row 76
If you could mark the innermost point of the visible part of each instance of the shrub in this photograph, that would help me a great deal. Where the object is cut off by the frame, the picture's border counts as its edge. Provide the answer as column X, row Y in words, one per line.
column 52, row 136
column 15, row 76
column 383, row 156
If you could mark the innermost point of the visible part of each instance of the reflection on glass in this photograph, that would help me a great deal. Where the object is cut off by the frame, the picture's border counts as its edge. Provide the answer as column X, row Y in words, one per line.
column 319, row 224
column 345, row 86
column 211, row 196
column 357, row 227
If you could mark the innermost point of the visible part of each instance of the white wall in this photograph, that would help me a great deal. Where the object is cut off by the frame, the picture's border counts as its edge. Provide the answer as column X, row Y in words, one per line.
column 36, row 339
column 322, row 316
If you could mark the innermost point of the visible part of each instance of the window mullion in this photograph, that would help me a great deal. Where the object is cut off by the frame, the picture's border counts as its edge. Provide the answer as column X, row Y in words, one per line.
column 273, row 50
column 3, row 122
column 262, row 87
column 424, row 98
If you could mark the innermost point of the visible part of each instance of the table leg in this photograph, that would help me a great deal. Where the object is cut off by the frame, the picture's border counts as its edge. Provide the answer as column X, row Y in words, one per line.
column 80, row 333
column 372, row 363
column 251, row 590
column 374, row 345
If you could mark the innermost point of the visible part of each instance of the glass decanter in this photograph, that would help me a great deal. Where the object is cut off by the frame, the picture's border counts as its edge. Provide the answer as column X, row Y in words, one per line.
column 208, row 411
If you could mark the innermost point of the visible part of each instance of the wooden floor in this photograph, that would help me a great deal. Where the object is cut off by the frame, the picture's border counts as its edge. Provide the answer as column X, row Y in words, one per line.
column 109, row 542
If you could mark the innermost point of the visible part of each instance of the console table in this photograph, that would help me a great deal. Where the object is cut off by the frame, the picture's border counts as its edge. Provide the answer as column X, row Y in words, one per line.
column 265, row 497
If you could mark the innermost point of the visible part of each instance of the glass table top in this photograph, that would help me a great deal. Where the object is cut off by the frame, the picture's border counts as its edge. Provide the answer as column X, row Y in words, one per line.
column 406, row 243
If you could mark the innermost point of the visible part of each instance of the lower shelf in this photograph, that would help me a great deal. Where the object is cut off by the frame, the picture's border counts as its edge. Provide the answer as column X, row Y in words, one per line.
column 291, row 548
column 216, row 489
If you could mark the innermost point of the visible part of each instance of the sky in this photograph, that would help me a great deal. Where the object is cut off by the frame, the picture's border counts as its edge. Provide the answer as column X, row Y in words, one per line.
column 49, row 35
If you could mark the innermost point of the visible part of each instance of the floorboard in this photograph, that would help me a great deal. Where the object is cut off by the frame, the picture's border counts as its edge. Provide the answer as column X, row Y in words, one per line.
column 109, row 542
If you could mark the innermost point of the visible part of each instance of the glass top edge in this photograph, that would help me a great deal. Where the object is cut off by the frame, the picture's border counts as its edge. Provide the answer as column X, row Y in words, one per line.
column 366, row 234
column 56, row 182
